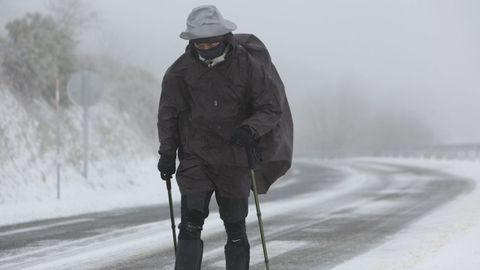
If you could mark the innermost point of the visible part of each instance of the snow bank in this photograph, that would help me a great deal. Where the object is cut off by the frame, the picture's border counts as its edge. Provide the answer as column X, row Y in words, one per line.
column 122, row 168
column 17, row 168
column 445, row 239
column 80, row 199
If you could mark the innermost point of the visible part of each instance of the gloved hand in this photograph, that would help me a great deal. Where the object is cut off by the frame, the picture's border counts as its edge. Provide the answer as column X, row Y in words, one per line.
column 166, row 166
column 242, row 136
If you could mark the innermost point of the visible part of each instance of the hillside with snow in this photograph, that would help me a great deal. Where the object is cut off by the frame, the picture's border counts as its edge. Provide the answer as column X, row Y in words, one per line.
column 40, row 51
column 28, row 157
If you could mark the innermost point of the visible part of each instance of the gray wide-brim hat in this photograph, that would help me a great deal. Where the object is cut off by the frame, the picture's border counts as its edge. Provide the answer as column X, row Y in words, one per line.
column 206, row 21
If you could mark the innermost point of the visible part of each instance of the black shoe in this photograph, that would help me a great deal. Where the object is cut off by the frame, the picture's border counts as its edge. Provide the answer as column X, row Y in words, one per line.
column 189, row 255
column 237, row 257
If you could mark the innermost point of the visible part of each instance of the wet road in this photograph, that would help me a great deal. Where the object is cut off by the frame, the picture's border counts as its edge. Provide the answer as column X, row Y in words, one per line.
column 317, row 217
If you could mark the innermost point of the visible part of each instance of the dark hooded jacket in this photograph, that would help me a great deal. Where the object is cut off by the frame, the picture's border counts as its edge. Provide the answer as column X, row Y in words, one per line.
column 201, row 106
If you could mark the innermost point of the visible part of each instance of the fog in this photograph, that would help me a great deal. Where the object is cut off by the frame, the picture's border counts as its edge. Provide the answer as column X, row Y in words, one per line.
column 368, row 61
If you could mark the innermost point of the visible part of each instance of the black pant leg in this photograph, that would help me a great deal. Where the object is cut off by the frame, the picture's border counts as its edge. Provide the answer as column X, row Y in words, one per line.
column 194, row 210
column 233, row 212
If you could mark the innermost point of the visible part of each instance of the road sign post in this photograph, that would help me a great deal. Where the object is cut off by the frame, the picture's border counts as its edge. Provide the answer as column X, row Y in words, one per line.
column 85, row 89
column 58, row 135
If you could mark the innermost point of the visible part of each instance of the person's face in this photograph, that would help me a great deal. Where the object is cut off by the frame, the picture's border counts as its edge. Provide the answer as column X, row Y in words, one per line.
column 205, row 45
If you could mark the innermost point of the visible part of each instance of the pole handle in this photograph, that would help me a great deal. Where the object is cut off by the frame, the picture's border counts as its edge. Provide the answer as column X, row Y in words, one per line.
column 250, row 151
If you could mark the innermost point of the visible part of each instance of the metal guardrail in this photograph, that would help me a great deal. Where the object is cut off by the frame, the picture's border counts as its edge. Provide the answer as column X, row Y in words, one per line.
column 447, row 152
column 440, row 152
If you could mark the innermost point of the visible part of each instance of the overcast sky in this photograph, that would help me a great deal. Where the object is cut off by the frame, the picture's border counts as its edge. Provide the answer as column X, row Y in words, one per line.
column 420, row 56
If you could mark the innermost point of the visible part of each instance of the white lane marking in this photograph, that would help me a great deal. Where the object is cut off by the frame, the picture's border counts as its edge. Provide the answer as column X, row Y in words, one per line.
column 43, row 227
column 275, row 249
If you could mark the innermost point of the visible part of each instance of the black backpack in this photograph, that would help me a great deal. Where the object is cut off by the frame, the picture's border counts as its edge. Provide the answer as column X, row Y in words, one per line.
column 278, row 143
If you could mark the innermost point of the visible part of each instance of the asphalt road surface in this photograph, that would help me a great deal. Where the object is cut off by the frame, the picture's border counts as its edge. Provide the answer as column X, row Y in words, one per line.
column 316, row 217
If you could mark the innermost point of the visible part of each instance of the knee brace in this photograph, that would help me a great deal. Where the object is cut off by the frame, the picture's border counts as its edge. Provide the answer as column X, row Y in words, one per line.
column 191, row 225
column 189, row 231
column 236, row 233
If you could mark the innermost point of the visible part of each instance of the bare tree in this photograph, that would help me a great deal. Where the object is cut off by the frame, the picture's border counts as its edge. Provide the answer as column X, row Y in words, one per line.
column 74, row 15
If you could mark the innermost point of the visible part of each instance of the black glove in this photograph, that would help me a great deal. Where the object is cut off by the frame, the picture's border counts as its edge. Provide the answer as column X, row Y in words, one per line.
column 166, row 166
column 244, row 136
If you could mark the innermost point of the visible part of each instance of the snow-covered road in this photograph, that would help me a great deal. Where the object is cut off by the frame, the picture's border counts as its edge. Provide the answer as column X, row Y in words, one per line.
column 321, row 216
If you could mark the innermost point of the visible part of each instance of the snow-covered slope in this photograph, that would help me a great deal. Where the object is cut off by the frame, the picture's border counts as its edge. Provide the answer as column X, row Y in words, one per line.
column 28, row 150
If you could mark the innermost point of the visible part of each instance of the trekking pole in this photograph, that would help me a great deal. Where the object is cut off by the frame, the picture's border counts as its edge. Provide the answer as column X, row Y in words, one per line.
column 172, row 218
column 251, row 165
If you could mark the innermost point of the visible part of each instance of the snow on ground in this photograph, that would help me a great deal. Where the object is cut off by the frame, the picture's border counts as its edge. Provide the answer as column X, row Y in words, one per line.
column 108, row 247
column 446, row 239
column 122, row 169
column 78, row 198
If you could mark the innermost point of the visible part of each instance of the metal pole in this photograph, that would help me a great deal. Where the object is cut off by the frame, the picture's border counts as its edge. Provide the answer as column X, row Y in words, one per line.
column 250, row 150
column 172, row 216
column 57, row 103
column 85, row 136
column 85, row 98
column 259, row 216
